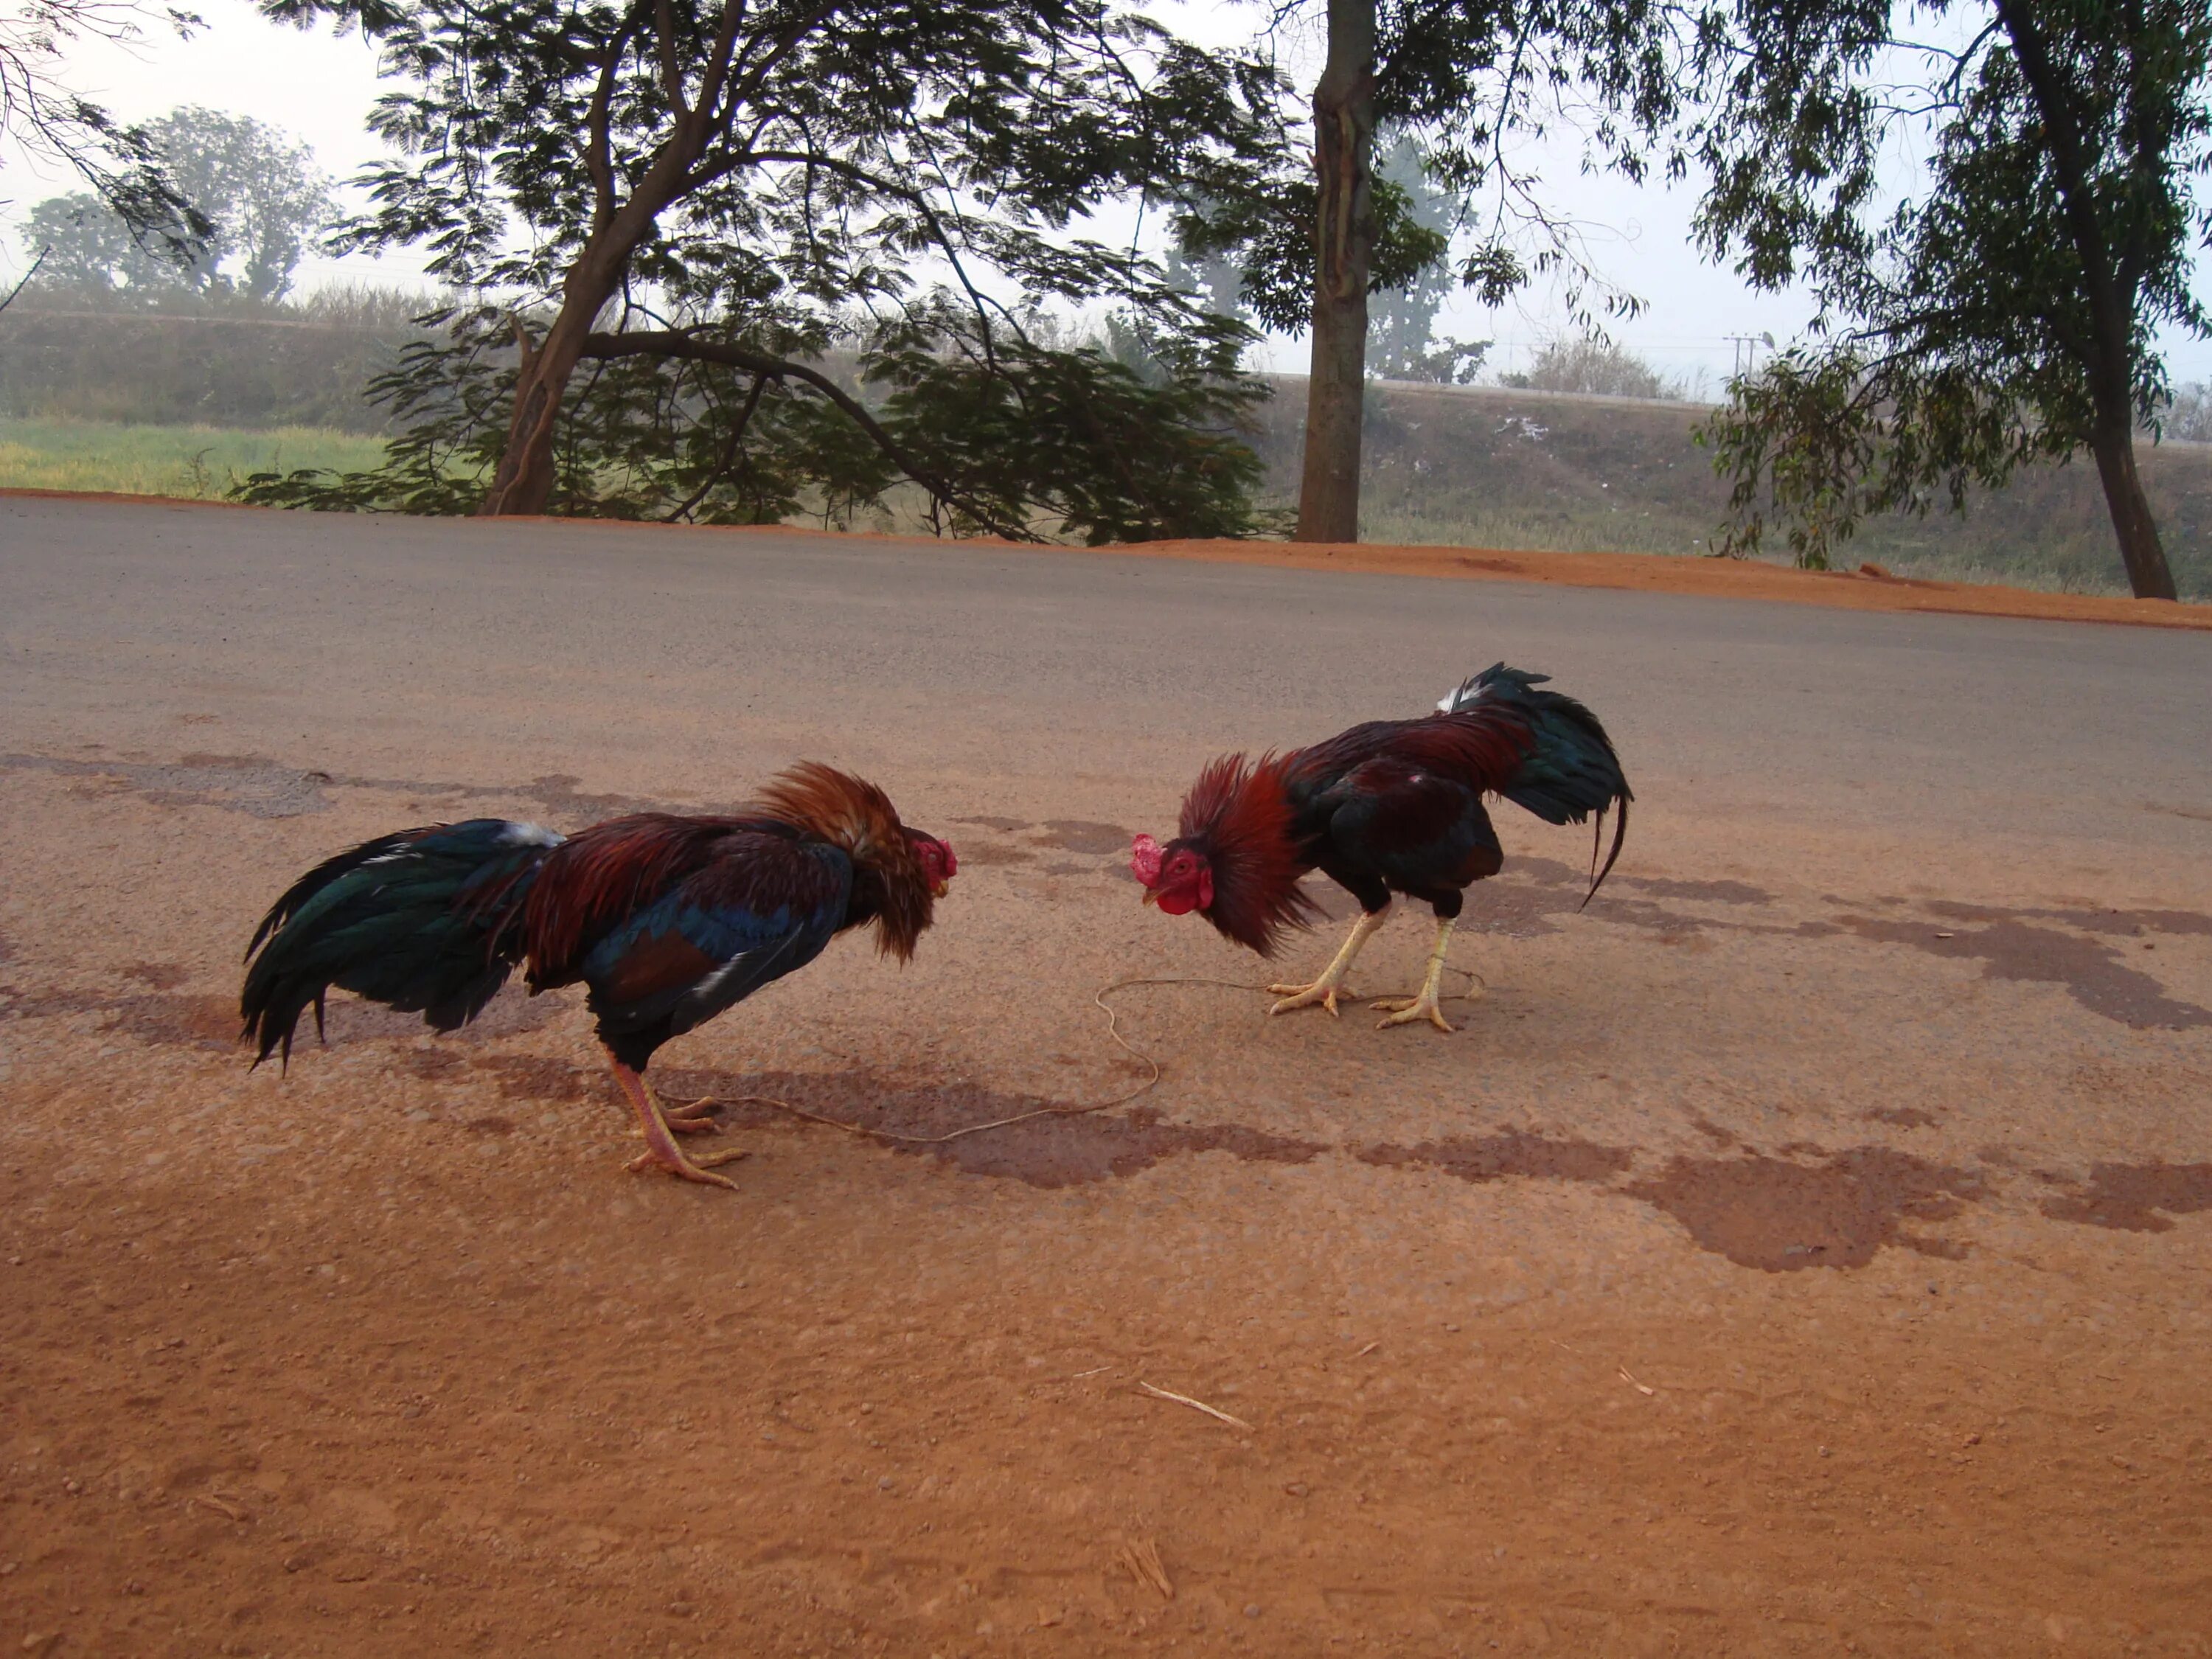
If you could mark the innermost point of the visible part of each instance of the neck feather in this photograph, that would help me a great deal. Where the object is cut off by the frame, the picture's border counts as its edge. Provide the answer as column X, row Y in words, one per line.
column 1238, row 816
column 852, row 813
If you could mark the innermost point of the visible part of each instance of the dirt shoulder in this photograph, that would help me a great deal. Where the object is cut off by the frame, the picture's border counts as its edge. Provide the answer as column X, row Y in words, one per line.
column 1866, row 589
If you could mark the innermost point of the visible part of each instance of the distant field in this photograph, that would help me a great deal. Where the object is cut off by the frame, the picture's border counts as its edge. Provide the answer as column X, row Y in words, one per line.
column 1473, row 467
column 196, row 462
column 1481, row 466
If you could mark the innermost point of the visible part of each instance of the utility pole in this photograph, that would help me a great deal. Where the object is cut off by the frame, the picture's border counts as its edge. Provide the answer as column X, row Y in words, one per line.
column 1747, row 352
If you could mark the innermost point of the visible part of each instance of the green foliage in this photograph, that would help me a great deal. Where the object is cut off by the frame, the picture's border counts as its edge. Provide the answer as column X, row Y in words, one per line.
column 751, row 188
column 1401, row 321
column 1269, row 236
column 1459, row 86
column 1127, row 440
column 260, row 195
column 2008, row 311
column 181, row 358
column 1478, row 81
column 46, row 120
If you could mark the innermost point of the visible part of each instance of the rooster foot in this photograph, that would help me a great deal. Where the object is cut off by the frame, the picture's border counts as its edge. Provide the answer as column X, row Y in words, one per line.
column 661, row 1152
column 1322, row 991
column 1403, row 1010
column 693, row 1117
column 1326, row 989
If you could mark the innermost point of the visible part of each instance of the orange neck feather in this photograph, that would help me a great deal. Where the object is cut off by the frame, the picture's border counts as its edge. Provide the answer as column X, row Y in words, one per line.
column 852, row 813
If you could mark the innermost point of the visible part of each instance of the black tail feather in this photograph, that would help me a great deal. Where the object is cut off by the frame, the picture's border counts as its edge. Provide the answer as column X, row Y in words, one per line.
column 1597, row 835
column 424, row 921
column 1572, row 770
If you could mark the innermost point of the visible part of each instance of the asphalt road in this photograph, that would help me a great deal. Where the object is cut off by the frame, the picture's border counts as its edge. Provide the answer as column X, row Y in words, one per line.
column 680, row 664
column 1806, row 1245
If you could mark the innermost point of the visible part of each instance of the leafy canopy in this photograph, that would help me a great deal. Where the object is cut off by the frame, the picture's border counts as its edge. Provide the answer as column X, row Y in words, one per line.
column 823, row 230
column 53, row 122
column 1463, row 89
column 2005, row 311
column 261, row 194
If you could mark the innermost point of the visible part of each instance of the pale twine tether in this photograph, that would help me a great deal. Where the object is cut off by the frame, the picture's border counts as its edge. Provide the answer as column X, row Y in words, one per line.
column 1113, row 1030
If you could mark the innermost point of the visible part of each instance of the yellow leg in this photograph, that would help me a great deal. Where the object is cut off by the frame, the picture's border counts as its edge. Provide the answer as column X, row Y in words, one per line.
column 1423, row 1006
column 661, row 1150
column 1324, row 990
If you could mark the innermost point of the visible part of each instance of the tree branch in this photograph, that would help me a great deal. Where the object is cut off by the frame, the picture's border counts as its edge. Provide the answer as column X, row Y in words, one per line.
column 675, row 344
column 2110, row 310
column 671, row 74
column 598, row 151
column 27, row 275
column 729, row 452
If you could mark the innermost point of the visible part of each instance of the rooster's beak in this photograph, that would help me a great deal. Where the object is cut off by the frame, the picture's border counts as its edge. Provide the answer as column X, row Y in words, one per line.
column 1148, row 899
column 938, row 890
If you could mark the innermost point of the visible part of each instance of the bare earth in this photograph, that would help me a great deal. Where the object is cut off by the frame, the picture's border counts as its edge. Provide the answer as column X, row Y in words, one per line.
column 1803, row 1250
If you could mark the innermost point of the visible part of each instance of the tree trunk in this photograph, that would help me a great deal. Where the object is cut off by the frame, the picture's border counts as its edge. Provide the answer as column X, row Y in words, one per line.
column 1344, row 240
column 524, row 481
column 2113, row 443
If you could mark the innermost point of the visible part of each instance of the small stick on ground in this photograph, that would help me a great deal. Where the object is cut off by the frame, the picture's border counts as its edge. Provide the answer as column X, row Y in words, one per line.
column 1639, row 1387
column 1142, row 1557
column 1214, row 1412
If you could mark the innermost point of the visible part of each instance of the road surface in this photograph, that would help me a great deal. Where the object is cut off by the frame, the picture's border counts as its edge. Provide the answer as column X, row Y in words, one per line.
column 1803, row 1249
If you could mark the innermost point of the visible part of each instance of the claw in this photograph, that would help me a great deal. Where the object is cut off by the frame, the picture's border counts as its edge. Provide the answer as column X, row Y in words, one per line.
column 656, row 1122
column 1403, row 1010
column 693, row 1117
column 1324, row 992
column 684, row 1168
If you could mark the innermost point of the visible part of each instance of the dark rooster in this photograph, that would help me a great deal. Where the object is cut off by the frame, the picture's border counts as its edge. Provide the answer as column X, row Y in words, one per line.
column 1392, row 806
column 668, row 920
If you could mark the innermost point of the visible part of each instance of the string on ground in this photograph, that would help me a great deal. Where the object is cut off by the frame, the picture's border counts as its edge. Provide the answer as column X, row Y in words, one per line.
column 1113, row 1030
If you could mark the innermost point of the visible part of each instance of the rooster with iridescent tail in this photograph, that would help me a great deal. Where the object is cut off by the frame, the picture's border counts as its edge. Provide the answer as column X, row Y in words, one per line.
column 1390, row 807
column 666, row 920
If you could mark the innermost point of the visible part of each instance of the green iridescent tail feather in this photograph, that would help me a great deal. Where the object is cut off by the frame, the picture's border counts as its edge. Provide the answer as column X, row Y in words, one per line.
column 425, row 921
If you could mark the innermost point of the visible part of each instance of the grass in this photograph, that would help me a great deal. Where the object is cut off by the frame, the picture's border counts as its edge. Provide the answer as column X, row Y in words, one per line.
column 198, row 463
column 1485, row 467
column 1446, row 467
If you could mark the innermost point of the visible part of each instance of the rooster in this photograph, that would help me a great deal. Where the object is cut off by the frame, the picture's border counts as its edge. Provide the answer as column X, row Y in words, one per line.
column 1391, row 806
column 668, row 921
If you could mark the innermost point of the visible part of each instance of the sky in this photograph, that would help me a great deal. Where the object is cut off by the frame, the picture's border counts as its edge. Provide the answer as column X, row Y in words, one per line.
column 319, row 86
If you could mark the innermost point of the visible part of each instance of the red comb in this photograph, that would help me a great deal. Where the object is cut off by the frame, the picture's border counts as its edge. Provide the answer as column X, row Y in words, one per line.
column 1144, row 859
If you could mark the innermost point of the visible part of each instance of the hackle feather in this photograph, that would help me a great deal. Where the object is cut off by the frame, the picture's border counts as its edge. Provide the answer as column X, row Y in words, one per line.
column 1237, row 815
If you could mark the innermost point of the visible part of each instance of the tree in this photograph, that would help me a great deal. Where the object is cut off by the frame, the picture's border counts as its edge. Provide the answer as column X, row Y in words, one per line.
column 1463, row 76
column 728, row 212
column 2189, row 415
column 40, row 114
column 2007, row 311
column 261, row 195
column 1402, row 319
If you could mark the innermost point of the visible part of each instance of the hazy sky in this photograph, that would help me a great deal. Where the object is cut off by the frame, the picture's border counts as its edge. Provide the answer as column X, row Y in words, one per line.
column 319, row 86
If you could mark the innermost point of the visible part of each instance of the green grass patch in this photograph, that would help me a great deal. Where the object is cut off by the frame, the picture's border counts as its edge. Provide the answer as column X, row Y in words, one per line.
column 198, row 463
